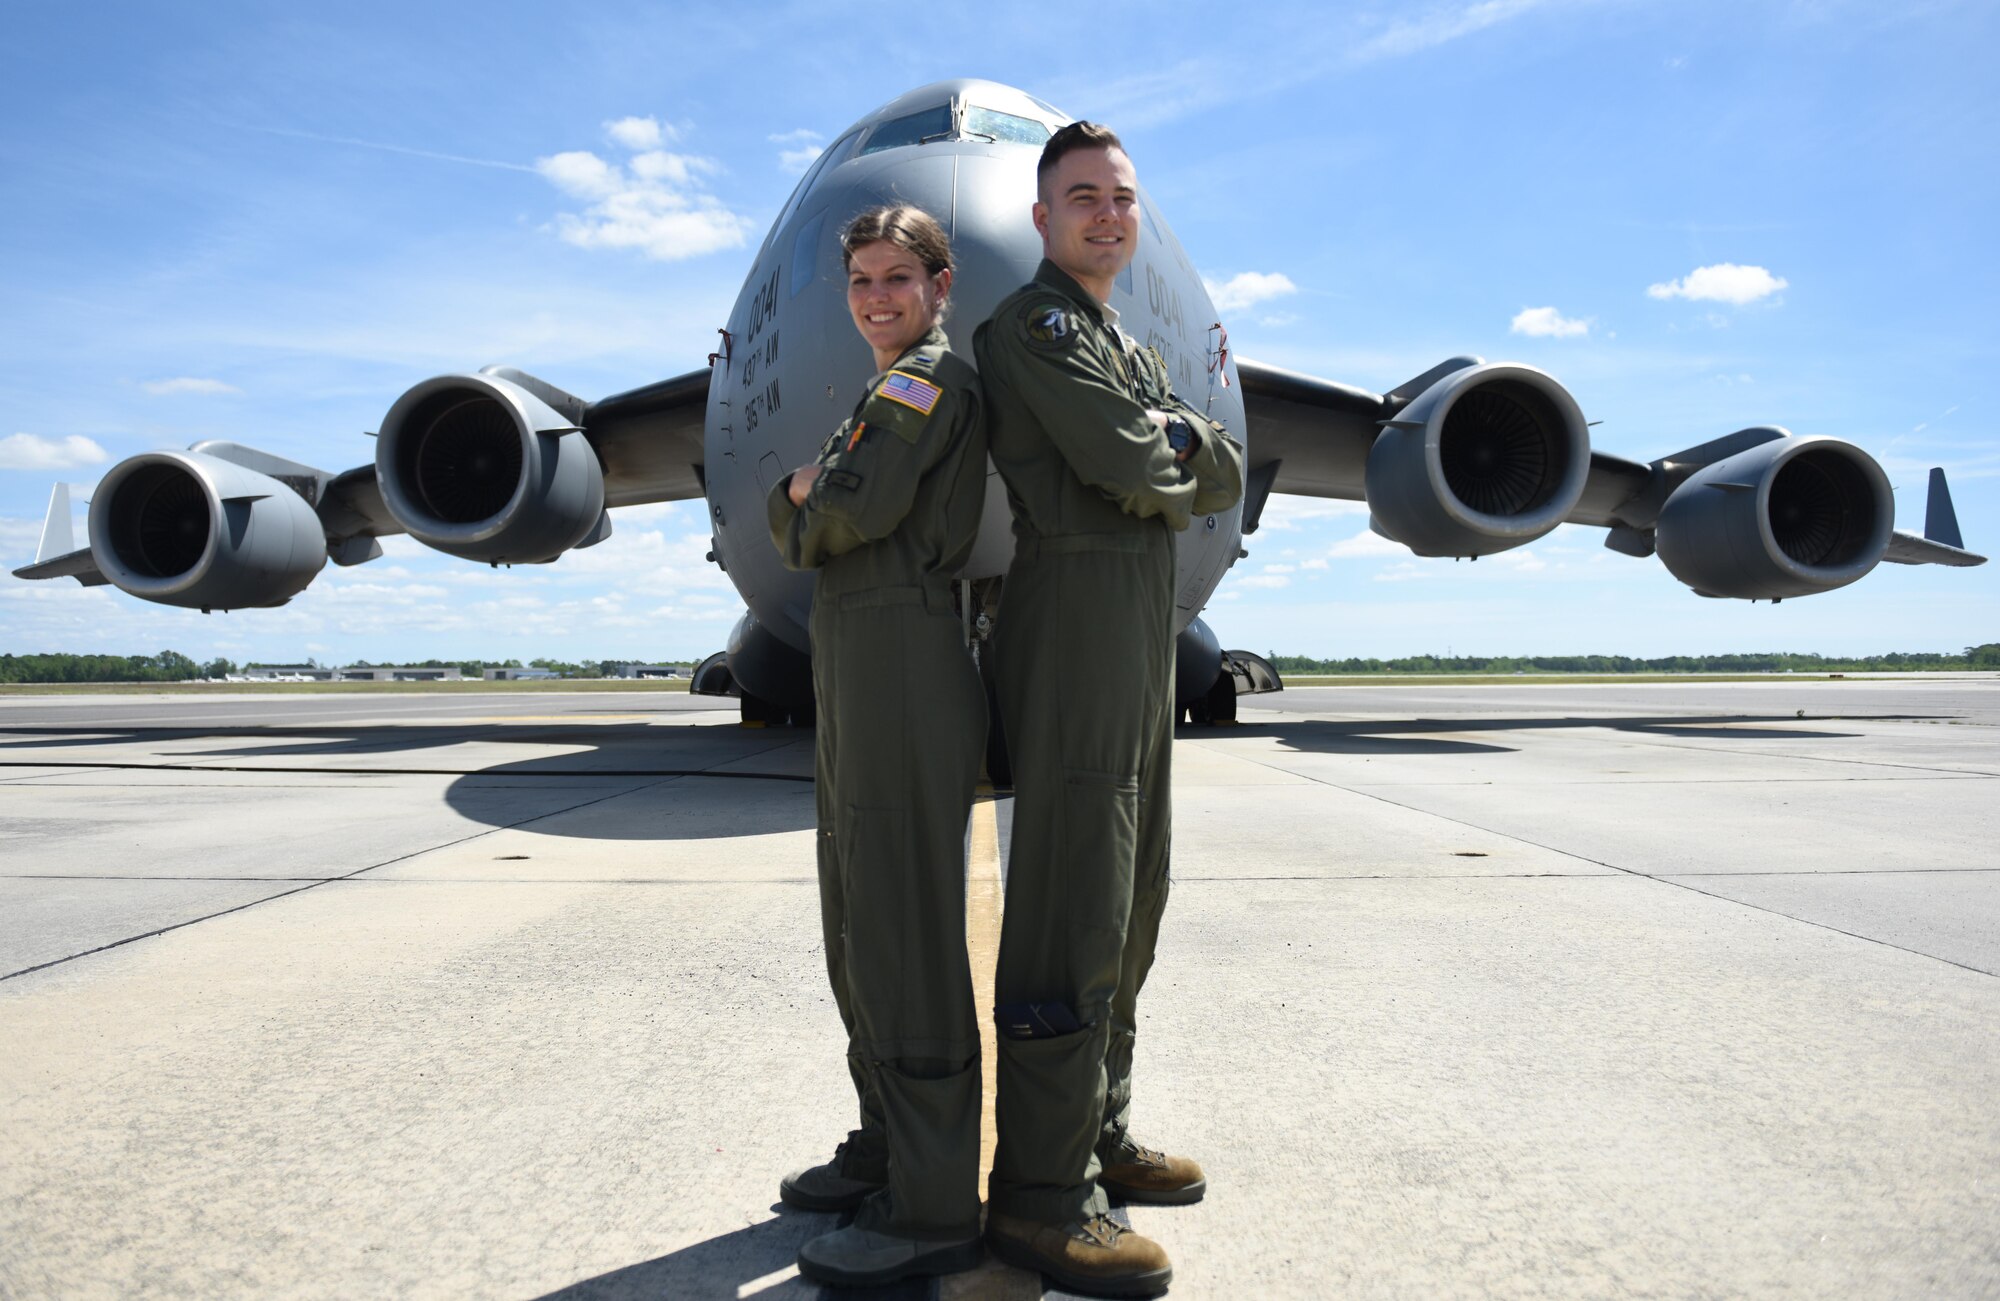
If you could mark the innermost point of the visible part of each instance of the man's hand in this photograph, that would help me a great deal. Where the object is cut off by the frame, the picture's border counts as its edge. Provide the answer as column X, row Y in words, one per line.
column 801, row 483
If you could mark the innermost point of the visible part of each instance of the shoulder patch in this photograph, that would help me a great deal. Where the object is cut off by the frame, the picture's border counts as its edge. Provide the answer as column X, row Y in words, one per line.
column 913, row 392
column 1049, row 325
column 901, row 404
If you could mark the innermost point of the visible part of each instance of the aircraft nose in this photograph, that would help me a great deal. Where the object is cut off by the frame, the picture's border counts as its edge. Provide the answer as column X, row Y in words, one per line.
column 993, row 239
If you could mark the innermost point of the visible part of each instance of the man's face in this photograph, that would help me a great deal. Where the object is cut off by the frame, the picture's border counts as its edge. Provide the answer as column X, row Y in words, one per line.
column 1088, row 215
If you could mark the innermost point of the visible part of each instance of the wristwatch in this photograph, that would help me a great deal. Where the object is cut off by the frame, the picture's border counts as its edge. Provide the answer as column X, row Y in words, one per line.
column 1180, row 434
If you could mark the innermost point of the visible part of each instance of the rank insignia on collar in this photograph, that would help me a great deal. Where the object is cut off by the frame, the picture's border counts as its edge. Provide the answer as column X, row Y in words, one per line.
column 1049, row 326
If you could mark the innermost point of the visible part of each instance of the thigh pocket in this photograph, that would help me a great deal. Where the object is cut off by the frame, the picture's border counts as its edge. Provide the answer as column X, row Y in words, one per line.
column 933, row 1127
column 1050, row 1106
column 1097, row 833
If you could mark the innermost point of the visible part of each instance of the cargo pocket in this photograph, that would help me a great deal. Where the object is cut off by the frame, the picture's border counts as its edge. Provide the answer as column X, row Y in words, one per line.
column 1050, row 1107
column 933, row 1129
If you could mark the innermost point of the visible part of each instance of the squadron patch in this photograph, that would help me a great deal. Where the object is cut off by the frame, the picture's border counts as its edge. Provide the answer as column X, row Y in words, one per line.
column 1049, row 326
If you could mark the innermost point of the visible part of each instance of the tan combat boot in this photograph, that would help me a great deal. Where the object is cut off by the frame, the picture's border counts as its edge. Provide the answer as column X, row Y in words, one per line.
column 826, row 1187
column 1133, row 1173
column 1097, row 1256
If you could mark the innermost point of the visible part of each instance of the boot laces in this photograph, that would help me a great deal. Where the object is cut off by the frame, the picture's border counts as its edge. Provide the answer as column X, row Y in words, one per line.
column 1102, row 1230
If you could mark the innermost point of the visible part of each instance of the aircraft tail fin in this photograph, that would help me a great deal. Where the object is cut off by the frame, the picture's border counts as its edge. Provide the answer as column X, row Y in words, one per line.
column 1940, row 520
column 57, row 537
column 1941, row 543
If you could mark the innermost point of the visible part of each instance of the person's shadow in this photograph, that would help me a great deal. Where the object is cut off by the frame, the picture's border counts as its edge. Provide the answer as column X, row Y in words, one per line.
column 720, row 1267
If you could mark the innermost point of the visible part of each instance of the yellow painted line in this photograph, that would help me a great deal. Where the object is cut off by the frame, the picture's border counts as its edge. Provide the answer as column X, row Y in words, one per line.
column 984, row 900
column 983, row 903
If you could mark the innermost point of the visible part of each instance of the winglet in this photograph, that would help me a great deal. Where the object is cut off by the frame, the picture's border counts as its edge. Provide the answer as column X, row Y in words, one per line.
column 57, row 539
column 1940, row 520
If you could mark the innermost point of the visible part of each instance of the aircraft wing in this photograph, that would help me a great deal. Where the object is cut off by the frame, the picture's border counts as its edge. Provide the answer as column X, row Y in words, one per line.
column 648, row 443
column 496, row 466
column 1310, row 437
column 649, row 440
column 1468, row 459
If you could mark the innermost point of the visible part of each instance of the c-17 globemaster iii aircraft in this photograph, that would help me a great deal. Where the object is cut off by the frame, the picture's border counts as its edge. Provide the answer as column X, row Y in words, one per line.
column 1467, row 459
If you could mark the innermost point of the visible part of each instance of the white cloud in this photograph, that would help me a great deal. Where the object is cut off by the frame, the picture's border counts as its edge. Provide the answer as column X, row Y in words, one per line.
column 671, row 169
column 1264, row 580
column 658, row 207
column 1725, row 282
column 581, row 174
column 33, row 452
column 1365, row 544
column 1547, row 323
column 184, row 384
column 1247, row 289
column 795, row 161
column 1317, row 562
column 1279, row 569
column 640, row 132
column 1278, row 320
column 802, row 136
column 1284, row 511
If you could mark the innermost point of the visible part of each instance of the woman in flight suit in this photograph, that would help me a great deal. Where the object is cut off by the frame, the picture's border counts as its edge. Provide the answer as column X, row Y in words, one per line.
column 888, row 514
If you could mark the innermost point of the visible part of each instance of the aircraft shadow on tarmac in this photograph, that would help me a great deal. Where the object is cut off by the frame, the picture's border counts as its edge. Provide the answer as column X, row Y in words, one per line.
column 702, row 782
column 1376, row 737
column 696, row 783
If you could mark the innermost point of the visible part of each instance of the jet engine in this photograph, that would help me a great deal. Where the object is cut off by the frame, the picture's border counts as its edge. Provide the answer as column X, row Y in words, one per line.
column 183, row 528
column 1488, row 458
column 487, row 468
column 1789, row 517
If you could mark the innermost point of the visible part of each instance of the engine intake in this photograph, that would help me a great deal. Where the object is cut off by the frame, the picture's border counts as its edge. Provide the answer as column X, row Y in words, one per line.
column 1790, row 517
column 480, row 467
column 1488, row 458
column 186, row 529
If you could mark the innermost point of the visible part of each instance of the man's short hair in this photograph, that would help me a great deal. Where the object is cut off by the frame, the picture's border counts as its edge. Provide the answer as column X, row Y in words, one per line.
column 1075, row 136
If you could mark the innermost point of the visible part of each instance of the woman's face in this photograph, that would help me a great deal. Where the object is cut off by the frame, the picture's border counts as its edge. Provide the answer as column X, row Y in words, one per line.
column 893, row 301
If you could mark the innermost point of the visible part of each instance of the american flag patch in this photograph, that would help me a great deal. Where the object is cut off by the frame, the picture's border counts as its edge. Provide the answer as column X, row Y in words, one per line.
column 919, row 395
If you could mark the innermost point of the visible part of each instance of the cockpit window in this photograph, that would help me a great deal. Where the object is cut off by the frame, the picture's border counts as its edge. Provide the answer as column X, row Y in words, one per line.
column 1004, row 127
column 911, row 130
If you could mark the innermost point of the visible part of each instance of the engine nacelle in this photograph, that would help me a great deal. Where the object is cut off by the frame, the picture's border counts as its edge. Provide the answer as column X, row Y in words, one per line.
column 1488, row 458
column 186, row 529
column 479, row 467
column 1789, row 517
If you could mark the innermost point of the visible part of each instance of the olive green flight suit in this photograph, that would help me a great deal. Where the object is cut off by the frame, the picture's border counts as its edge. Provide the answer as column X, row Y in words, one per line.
column 1083, row 655
column 902, row 726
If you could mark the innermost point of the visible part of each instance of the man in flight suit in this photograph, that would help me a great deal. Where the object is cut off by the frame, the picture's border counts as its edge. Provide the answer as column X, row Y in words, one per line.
column 1103, row 465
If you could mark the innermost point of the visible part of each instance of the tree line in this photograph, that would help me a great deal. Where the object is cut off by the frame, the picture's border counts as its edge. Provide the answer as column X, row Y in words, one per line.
column 172, row 666
column 1986, row 656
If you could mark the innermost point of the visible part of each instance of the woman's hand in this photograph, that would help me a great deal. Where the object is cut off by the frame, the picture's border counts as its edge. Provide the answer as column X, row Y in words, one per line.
column 801, row 483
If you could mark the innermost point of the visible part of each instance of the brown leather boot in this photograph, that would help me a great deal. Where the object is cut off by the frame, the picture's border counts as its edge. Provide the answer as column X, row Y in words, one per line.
column 1140, row 1174
column 1097, row 1256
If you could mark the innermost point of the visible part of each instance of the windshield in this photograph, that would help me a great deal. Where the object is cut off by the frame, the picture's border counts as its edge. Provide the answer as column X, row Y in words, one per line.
column 1004, row 127
column 911, row 130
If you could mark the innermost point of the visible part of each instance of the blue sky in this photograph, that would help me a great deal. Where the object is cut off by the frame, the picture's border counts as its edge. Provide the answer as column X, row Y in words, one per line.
column 262, row 222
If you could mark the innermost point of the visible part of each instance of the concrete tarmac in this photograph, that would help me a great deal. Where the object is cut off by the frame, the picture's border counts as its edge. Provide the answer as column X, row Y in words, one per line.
column 1514, row 991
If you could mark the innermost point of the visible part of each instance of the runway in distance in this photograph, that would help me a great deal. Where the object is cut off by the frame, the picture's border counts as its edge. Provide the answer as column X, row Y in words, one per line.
column 1467, row 459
